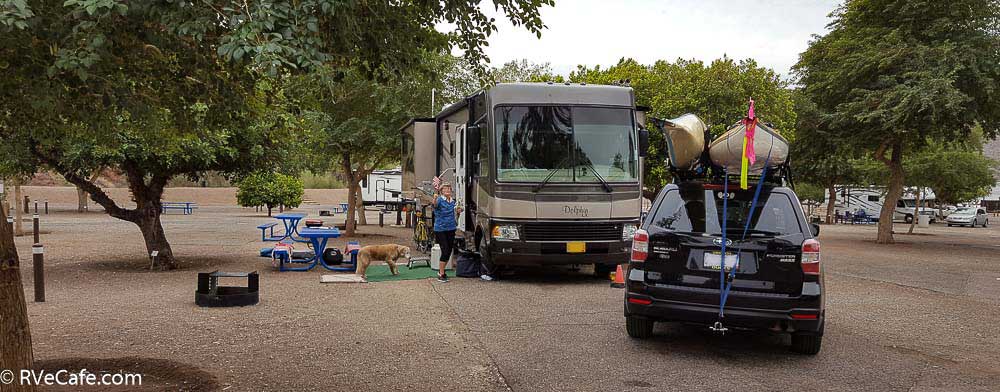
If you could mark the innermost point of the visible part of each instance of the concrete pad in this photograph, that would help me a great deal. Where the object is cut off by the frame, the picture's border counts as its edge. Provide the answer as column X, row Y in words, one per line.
column 346, row 278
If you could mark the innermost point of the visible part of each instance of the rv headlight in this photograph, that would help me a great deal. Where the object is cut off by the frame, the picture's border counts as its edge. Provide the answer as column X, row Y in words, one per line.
column 506, row 232
column 628, row 231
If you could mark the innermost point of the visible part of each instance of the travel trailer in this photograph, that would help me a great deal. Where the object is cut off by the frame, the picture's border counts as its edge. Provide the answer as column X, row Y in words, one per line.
column 547, row 173
column 382, row 188
column 870, row 199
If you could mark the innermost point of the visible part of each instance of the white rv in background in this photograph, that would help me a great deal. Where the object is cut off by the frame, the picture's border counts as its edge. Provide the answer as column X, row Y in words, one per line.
column 382, row 188
column 870, row 200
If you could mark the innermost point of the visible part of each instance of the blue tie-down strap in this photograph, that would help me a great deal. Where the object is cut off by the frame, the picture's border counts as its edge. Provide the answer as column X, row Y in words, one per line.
column 727, row 281
column 722, row 262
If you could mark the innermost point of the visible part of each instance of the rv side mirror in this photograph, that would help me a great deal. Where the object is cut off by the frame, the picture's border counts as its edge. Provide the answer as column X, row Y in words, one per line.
column 472, row 138
column 643, row 142
column 815, row 229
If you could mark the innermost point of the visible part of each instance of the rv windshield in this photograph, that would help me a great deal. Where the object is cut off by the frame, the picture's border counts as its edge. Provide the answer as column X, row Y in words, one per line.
column 570, row 143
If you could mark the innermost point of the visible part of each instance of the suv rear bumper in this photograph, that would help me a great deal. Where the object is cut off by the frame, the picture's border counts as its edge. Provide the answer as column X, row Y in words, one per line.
column 675, row 304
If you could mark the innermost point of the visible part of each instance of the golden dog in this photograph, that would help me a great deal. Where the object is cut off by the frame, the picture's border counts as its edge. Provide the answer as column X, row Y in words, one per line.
column 388, row 253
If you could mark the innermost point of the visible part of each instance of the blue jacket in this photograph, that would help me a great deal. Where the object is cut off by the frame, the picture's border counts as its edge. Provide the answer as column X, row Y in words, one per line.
column 444, row 215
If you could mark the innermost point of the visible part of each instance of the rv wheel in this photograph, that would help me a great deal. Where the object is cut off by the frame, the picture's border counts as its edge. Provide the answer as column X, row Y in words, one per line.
column 603, row 271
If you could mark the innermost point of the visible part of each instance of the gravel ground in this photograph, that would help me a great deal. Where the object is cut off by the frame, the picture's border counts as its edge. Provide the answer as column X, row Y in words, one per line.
column 919, row 315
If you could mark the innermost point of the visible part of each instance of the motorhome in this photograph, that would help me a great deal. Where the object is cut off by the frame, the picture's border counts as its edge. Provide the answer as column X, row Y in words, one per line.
column 382, row 188
column 547, row 173
column 870, row 200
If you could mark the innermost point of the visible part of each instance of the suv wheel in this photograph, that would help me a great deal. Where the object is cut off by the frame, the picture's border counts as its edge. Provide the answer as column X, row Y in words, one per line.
column 639, row 328
column 806, row 343
column 908, row 218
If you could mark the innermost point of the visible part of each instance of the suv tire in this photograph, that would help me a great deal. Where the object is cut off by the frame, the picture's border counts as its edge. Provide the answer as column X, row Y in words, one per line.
column 908, row 218
column 806, row 343
column 639, row 328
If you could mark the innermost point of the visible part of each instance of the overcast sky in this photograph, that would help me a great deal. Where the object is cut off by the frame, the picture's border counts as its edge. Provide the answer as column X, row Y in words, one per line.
column 591, row 32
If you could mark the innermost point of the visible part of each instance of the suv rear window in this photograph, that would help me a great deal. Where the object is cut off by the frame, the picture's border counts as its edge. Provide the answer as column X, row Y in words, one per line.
column 693, row 209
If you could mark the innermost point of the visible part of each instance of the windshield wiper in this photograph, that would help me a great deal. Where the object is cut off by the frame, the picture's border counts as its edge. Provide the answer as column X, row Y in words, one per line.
column 552, row 172
column 604, row 183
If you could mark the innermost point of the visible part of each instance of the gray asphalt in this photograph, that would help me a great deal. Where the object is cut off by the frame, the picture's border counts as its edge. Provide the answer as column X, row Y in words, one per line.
column 919, row 315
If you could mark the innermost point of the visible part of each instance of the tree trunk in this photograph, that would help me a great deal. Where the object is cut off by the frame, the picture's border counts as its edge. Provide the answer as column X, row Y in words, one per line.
column 352, row 206
column 18, row 211
column 831, row 204
column 153, row 235
column 916, row 212
column 81, row 195
column 894, row 191
column 81, row 200
column 15, row 332
column 268, row 210
column 362, row 218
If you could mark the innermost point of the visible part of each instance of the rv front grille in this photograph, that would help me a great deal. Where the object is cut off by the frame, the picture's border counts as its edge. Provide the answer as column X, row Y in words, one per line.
column 572, row 231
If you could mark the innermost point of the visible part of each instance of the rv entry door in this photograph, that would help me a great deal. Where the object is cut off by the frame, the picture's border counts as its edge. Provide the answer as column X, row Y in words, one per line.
column 460, row 176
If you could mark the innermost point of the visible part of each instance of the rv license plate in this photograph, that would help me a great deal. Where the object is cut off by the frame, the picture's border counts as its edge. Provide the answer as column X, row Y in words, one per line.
column 576, row 247
column 713, row 260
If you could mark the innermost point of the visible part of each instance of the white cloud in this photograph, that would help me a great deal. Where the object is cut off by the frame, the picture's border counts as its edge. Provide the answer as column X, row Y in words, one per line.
column 592, row 32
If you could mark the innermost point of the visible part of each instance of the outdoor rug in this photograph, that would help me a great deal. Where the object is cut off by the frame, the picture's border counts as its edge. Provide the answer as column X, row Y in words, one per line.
column 380, row 273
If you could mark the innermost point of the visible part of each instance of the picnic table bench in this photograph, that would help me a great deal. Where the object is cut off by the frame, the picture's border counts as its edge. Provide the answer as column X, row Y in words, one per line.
column 186, row 207
column 265, row 236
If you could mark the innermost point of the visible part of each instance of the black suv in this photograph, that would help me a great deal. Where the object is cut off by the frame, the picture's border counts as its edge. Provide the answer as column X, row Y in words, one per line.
column 674, row 272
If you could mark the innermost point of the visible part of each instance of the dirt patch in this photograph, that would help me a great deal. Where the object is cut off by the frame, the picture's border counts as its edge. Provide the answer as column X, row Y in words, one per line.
column 370, row 236
column 142, row 265
column 157, row 374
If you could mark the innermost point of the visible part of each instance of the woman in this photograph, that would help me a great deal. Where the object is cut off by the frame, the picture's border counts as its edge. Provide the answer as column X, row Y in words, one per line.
column 445, row 211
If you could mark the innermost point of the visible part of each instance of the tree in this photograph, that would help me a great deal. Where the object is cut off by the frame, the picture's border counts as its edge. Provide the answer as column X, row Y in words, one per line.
column 817, row 157
column 354, row 121
column 15, row 334
column 893, row 74
column 717, row 92
column 156, row 90
column 269, row 189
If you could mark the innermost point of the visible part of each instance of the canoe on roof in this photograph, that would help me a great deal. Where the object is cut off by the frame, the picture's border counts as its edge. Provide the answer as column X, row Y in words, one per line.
column 685, row 136
column 727, row 149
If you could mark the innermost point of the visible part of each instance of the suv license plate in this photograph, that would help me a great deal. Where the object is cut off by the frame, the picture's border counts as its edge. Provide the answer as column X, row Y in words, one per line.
column 713, row 260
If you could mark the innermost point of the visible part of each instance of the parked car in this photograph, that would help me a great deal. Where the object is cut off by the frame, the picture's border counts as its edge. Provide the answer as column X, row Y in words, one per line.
column 676, row 257
column 971, row 217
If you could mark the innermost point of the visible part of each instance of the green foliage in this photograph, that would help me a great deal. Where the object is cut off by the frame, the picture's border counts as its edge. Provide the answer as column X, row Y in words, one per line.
column 717, row 92
column 269, row 189
column 524, row 71
column 381, row 38
column 811, row 192
column 817, row 155
column 321, row 181
column 956, row 174
column 904, row 71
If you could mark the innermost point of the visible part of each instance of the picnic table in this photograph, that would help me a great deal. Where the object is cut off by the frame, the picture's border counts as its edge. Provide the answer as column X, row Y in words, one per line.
column 290, row 220
column 318, row 237
column 186, row 207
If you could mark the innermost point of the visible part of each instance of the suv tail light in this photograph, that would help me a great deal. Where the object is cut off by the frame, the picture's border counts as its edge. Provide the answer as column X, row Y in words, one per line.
column 810, row 257
column 640, row 246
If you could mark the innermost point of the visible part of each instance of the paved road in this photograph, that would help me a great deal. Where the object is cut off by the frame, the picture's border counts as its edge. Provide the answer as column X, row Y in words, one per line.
column 919, row 315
